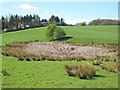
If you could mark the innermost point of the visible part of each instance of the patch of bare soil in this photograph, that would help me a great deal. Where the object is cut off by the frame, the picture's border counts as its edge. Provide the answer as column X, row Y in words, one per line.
column 59, row 51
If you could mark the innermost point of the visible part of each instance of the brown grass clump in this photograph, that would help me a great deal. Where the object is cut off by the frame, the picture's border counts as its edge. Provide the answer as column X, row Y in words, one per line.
column 96, row 62
column 113, row 68
column 21, row 58
column 83, row 72
column 71, row 70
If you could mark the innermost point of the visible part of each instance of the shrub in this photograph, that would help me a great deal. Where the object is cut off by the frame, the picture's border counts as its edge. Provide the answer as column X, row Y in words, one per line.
column 83, row 72
column 54, row 32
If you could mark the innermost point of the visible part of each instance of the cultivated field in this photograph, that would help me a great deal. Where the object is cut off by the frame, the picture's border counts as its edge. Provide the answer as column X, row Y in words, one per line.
column 52, row 74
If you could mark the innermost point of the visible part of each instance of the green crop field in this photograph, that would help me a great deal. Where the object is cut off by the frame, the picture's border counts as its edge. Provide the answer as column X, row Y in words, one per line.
column 52, row 74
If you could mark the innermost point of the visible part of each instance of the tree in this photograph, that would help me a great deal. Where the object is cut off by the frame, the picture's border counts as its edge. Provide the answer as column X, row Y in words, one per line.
column 83, row 24
column 30, row 20
column 54, row 20
column 22, row 22
column 62, row 22
column 3, row 23
column 6, row 23
column 54, row 32
column 57, row 20
column 11, row 22
column 36, row 21
column 16, row 17
column 25, row 21
column 44, row 20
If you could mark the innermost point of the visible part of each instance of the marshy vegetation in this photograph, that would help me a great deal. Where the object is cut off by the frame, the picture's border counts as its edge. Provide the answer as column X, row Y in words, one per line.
column 37, row 51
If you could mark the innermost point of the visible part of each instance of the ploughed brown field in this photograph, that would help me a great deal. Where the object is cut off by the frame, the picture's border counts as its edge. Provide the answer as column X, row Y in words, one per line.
column 59, row 51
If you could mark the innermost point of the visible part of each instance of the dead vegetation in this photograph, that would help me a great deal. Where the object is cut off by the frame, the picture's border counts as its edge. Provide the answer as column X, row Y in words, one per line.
column 38, row 51
column 112, row 68
column 83, row 72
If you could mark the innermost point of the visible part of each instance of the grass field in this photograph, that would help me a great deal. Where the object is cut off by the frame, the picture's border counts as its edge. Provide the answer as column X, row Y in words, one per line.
column 52, row 74
column 45, row 74
column 88, row 34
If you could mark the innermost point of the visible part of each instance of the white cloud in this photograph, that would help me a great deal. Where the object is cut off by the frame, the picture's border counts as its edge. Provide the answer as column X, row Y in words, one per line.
column 27, row 7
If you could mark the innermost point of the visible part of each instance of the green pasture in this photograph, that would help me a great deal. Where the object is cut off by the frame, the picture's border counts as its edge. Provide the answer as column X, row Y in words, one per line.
column 52, row 74
column 84, row 34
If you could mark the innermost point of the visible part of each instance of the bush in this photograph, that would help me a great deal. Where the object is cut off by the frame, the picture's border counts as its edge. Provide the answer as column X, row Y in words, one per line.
column 83, row 72
column 54, row 32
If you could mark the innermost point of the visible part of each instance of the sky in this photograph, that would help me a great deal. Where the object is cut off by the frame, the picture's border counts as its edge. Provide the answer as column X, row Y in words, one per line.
column 72, row 12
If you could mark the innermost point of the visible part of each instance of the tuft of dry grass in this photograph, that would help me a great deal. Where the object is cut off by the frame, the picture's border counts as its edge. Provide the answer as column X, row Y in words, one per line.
column 83, row 72
column 112, row 68
column 96, row 62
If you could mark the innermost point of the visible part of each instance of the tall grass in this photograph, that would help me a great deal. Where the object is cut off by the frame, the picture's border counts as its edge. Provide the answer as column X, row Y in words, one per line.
column 83, row 72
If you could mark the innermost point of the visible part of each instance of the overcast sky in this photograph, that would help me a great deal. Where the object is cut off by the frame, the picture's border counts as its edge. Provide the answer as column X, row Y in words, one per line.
column 72, row 12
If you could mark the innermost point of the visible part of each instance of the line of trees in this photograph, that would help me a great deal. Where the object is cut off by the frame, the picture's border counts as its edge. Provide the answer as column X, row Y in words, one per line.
column 16, row 22
column 104, row 22
column 100, row 22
